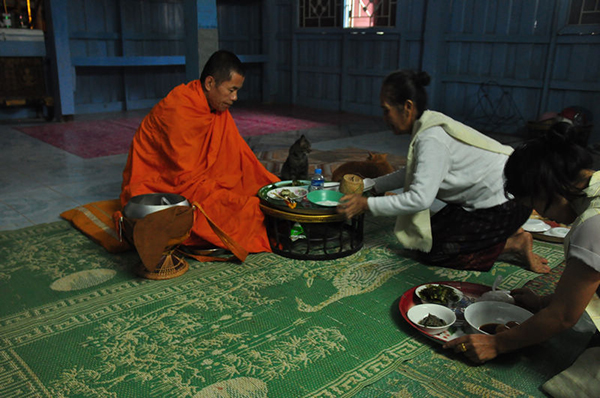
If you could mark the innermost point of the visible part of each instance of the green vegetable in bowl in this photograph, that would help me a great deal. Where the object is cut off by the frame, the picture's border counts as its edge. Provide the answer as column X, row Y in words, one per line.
column 287, row 194
column 438, row 294
column 432, row 321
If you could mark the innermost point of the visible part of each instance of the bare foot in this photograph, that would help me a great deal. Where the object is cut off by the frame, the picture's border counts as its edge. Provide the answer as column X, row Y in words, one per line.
column 521, row 244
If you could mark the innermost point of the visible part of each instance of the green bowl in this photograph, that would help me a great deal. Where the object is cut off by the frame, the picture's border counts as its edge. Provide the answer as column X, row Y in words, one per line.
column 325, row 198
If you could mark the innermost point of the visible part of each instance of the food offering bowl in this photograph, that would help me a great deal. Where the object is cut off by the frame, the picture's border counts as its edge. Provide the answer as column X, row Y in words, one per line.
column 141, row 205
column 484, row 313
column 419, row 312
column 437, row 293
column 325, row 197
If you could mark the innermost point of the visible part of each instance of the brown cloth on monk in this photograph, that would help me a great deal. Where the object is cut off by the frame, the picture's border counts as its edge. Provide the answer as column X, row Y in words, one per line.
column 156, row 232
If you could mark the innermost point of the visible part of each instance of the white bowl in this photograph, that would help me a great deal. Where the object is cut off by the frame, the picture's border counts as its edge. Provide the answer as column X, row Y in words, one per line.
column 484, row 312
column 418, row 312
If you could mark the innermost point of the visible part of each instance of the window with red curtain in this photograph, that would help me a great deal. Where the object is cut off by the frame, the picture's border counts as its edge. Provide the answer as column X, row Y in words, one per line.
column 347, row 13
column 371, row 13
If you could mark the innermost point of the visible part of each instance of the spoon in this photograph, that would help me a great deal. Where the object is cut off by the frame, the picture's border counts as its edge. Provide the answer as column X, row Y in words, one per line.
column 497, row 282
column 497, row 295
column 291, row 204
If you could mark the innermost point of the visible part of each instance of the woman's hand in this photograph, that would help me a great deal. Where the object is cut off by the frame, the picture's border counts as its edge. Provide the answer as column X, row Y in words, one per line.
column 352, row 205
column 527, row 299
column 554, row 313
column 479, row 348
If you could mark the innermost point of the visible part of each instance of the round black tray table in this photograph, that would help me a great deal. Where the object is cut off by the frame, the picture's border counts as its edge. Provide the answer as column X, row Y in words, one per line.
column 326, row 234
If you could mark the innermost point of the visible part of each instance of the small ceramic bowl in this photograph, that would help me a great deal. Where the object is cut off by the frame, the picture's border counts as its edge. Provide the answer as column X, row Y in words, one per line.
column 417, row 313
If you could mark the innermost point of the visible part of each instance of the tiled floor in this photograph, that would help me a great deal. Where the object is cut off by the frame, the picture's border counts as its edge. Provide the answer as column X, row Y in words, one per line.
column 39, row 181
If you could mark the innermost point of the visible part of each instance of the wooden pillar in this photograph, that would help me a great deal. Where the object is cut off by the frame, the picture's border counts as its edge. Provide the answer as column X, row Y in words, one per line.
column 560, row 8
column 434, row 48
column 269, row 72
column 59, row 53
column 202, row 35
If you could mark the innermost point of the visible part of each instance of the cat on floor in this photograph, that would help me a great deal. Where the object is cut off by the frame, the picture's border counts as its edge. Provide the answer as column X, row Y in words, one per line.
column 376, row 165
column 296, row 164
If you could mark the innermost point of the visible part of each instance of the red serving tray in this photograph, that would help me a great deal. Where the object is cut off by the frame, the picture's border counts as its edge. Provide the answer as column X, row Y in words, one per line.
column 468, row 289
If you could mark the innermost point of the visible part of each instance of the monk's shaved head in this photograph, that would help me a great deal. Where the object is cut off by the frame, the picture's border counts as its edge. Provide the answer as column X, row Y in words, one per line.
column 221, row 66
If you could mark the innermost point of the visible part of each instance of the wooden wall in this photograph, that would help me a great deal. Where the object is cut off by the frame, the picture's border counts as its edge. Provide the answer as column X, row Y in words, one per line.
column 343, row 69
column 99, row 29
column 495, row 63
column 241, row 31
column 114, row 55
column 525, row 49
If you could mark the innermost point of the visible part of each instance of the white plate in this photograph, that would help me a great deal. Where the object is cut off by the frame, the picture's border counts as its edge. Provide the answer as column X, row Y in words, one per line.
column 332, row 186
column 535, row 225
column 290, row 183
column 369, row 184
column 297, row 192
column 335, row 186
column 558, row 232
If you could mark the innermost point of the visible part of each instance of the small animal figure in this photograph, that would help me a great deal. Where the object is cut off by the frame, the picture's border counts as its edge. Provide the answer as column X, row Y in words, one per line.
column 296, row 165
column 376, row 165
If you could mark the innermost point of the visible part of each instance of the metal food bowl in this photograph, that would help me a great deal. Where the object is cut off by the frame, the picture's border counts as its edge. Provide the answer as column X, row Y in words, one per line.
column 141, row 205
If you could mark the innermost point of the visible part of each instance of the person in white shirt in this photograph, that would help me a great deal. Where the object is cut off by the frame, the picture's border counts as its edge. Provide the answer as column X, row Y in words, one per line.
column 554, row 175
column 457, row 165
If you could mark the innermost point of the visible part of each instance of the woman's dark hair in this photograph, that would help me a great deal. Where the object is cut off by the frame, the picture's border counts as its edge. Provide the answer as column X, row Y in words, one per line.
column 403, row 85
column 221, row 65
column 548, row 166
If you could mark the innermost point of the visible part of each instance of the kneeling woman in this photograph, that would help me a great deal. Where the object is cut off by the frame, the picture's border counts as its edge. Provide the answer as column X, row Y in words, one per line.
column 554, row 175
column 461, row 167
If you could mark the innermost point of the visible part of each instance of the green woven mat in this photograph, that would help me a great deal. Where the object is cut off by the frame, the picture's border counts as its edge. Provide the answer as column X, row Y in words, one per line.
column 75, row 321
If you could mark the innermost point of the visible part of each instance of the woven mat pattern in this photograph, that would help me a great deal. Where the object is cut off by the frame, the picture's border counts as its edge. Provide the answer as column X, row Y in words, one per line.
column 76, row 321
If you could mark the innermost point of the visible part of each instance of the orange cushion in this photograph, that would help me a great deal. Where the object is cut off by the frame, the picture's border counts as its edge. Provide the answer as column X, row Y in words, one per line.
column 95, row 221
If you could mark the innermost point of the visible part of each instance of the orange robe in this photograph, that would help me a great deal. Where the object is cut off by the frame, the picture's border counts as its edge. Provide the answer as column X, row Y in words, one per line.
column 182, row 147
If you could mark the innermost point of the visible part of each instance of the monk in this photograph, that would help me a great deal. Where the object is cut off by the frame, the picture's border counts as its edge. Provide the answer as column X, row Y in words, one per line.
column 189, row 145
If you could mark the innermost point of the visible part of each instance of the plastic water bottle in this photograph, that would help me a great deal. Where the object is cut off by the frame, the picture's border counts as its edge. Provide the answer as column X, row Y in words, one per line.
column 317, row 182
